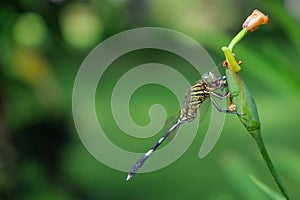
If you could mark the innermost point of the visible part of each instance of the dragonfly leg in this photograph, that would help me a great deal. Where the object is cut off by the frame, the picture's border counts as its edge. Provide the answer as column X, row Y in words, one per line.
column 220, row 96
column 219, row 108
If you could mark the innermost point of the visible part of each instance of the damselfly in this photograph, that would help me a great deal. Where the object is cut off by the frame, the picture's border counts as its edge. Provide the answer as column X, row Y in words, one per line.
column 195, row 96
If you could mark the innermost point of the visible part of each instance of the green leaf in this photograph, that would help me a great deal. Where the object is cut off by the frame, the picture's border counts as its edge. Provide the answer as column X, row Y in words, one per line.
column 241, row 96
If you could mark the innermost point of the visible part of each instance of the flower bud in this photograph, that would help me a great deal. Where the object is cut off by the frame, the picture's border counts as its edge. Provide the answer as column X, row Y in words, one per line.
column 256, row 19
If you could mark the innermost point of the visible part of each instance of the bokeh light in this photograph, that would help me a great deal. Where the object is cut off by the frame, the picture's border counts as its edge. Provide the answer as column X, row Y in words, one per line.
column 30, row 29
column 81, row 25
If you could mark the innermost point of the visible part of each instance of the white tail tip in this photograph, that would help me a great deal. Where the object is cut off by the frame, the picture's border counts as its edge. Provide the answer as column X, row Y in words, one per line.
column 128, row 177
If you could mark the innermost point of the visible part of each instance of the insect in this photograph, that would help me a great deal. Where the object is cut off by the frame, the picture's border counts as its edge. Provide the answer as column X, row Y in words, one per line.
column 195, row 96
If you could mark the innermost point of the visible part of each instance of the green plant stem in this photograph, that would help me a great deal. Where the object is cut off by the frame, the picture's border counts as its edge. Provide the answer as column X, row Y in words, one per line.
column 237, row 38
column 262, row 148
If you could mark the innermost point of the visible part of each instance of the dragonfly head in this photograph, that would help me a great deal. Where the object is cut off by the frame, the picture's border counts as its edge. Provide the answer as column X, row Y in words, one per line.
column 209, row 78
column 214, row 82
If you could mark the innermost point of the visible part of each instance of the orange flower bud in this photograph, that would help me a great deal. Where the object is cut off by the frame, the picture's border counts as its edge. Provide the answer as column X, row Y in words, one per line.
column 256, row 19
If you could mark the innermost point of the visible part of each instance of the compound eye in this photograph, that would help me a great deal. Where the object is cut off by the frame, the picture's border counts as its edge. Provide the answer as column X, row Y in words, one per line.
column 224, row 80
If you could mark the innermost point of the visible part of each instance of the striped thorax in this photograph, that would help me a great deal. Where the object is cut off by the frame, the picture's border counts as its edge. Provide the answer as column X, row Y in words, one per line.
column 199, row 93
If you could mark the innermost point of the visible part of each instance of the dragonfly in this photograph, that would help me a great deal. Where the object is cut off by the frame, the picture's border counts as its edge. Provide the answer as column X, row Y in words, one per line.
column 204, row 89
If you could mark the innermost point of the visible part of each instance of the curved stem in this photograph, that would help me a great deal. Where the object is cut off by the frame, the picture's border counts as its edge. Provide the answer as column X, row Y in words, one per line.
column 263, row 150
column 237, row 38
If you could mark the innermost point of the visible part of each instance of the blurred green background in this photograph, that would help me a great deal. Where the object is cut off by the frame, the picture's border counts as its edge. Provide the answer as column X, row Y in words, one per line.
column 42, row 45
